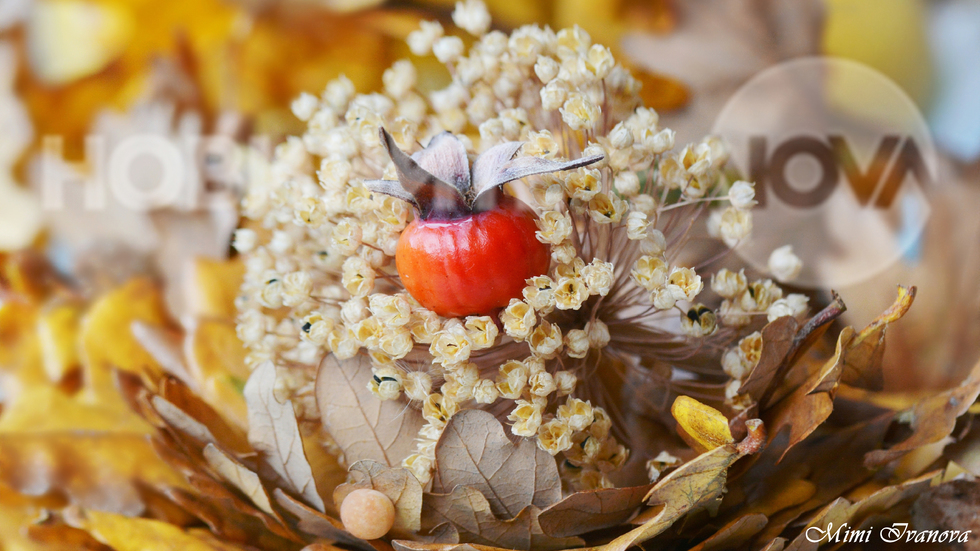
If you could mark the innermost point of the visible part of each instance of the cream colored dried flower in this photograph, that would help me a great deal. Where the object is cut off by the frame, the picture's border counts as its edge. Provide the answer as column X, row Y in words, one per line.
column 614, row 205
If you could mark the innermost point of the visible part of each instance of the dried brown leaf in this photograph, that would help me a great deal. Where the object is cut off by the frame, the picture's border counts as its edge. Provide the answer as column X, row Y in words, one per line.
column 931, row 420
column 408, row 545
column 469, row 512
column 401, row 487
column 364, row 426
column 784, row 342
column 842, row 512
column 474, row 451
column 696, row 485
column 863, row 361
column 274, row 433
column 316, row 524
column 735, row 534
column 583, row 512
column 239, row 476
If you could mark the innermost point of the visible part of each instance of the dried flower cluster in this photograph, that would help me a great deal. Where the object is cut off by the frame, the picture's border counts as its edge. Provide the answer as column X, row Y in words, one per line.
column 321, row 277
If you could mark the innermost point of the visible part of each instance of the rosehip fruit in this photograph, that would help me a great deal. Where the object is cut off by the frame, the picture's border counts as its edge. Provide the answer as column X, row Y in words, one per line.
column 470, row 248
column 473, row 264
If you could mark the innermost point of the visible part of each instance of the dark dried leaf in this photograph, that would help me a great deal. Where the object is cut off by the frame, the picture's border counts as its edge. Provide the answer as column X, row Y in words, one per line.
column 469, row 512
column 931, row 419
column 584, row 512
column 735, row 534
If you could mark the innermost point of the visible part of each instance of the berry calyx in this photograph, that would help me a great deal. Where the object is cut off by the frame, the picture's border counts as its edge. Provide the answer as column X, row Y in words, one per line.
column 470, row 248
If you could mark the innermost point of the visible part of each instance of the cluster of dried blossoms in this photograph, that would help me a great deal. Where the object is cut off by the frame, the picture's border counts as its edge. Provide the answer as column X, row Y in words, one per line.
column 321, row 277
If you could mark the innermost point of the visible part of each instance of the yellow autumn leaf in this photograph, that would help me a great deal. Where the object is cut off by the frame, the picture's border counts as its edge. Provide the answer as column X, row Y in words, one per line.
column 57, row 330
column 703, row 427
column 216, row 360
column 135, row 534
column 212, row 287
column 106, row 333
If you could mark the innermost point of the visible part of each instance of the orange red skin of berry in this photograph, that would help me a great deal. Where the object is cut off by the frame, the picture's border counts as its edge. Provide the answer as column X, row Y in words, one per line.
column 474, row 264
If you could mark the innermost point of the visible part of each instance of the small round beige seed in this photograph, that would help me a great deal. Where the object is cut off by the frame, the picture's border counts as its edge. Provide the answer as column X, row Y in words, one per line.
column 367, row 514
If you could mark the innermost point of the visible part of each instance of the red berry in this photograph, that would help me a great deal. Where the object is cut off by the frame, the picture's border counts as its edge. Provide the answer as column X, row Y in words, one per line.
column 474, row 264
column 470, row 248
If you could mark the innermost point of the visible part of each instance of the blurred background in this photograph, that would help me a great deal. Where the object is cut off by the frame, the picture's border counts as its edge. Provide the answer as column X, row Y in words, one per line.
column 71, row 70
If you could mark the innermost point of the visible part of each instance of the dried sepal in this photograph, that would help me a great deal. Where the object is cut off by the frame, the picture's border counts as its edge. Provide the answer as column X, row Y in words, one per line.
column 440, row 183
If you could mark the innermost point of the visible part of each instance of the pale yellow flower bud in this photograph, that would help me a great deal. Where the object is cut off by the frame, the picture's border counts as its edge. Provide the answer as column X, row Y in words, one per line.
column 742, row 195
column 570, row 293
column 542, row 384
column 565, row 381
column 546, row 340
column 424, row 326
column 627, row 184
column 734, row 225
column 482, row 331
column 583, row 184
column 784, row 265
column 598, row 333
column 418, row 385
column 357, row 276
column 576, row 343
column 554, row 436
column 599, row 276
column 485, row 392
column 546, row 68
column 420, row 467
column 518, row 319
column 526, row 418
column 391, row 310
column 577, row 413
column 553, row 227
column 699, row 321
column 684, row 283
column 437, row 409
column 420, row 41
column 607, row 209
column 650, row 272
column 512, row 379
column 540, row 293
column 728, row 284
column 451, row 345
column 579, row 113
column 472, row 16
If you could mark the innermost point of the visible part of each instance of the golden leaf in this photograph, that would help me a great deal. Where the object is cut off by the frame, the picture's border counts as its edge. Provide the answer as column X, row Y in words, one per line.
column 703, row 427
column 136, row 534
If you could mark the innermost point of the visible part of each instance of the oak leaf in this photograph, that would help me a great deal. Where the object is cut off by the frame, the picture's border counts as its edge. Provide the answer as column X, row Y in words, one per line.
column 469, row 512
column 931, row 420
column 239, row 476
column 274, row 433
column 583, row 512
column 474, row 451
column 363, row 425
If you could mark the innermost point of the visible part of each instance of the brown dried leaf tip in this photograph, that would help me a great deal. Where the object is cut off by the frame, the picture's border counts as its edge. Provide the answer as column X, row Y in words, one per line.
column 442, row 185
